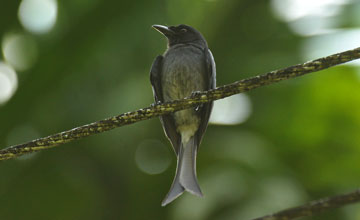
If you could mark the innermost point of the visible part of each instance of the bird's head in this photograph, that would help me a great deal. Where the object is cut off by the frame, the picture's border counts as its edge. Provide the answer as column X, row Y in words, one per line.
column 181, row 34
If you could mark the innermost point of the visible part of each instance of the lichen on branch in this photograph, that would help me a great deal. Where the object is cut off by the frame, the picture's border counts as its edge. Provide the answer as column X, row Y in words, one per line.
column 169, row 107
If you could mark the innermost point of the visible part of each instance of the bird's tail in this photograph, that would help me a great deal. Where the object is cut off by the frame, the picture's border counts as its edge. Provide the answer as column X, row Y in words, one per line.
column 185, row 178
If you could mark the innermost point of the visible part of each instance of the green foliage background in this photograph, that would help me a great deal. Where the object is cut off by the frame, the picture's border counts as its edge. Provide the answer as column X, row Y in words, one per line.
column 301, row 142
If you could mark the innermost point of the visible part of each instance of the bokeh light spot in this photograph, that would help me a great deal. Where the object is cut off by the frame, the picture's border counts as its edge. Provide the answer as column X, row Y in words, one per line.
column 19, row 50
column 152, row 157
column 232, row 110
column 294, row 9
column 337, row 41
column 38, row 16
column 308, row 17
column 8, row 82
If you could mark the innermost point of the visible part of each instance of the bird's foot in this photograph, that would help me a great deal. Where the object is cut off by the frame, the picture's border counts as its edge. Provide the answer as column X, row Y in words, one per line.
column 152, row 105
column 195, row 94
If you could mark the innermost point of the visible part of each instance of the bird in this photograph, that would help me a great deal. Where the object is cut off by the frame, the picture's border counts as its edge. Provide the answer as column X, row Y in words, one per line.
column 186, row 67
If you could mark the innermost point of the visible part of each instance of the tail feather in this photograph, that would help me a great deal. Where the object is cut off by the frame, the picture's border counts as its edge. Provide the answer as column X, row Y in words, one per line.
column 185, row 178
column 176, row 188
column 188, row 177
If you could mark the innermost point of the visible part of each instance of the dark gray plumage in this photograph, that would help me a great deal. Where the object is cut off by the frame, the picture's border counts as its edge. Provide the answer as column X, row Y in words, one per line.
column 186, row 66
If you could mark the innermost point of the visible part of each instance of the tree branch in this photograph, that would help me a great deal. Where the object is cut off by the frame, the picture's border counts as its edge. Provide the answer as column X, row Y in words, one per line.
column 169, row 107
column 315, row 207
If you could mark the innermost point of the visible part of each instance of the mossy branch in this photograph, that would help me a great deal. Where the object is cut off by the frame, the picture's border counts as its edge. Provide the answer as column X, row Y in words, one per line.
column 169, row 107
column 315, row 207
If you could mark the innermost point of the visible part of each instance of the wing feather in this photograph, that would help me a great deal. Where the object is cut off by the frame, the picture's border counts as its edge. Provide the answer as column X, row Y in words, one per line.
column 167, row 121
column 205, row 109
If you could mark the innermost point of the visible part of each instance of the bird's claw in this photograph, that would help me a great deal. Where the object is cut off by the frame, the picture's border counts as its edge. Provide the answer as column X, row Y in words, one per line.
column 195, row 93
column 152, row 105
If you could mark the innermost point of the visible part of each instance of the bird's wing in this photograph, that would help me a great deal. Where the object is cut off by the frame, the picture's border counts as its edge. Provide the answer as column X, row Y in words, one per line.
column 205, row 109
column 167, row 121
column 155, row 78
column 211, row 68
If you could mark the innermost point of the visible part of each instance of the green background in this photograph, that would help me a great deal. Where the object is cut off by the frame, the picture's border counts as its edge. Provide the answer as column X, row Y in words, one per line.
column 300, row 143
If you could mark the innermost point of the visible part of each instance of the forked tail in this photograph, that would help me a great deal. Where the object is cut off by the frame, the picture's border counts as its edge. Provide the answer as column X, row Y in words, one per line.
column 185, row 177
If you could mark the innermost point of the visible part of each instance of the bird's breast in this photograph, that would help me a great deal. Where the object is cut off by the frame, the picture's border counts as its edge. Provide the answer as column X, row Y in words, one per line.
column 183, row 72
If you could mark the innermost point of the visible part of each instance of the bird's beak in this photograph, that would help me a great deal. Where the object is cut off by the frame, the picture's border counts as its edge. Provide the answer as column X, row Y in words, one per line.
column 167, row 32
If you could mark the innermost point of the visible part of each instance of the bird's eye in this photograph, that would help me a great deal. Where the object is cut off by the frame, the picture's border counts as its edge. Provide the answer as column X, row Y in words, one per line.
column 183, row 30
